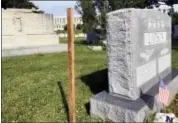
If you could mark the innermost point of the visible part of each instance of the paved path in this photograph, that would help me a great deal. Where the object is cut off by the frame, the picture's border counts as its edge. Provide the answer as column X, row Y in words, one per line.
column 34, row 50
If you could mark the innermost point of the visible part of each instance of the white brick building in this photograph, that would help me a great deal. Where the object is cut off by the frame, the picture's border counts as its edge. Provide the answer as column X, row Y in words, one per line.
column 61, row 21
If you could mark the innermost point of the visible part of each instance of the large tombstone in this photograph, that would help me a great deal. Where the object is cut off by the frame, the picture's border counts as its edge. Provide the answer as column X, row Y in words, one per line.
column 139, row 55
column 139, row 50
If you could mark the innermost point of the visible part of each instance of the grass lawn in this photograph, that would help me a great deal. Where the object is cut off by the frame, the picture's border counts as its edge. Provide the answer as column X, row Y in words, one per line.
column 77, row 40
column 35, row 88
column 76, row 31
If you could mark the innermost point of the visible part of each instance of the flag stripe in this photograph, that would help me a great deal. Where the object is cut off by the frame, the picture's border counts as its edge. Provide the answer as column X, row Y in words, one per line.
column 163, row 96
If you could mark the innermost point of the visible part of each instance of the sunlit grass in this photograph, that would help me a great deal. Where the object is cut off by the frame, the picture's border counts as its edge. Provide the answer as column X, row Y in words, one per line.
column 35, row 88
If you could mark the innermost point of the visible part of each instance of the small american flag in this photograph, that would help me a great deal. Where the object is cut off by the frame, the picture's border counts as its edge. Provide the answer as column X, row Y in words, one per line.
column 163, row 96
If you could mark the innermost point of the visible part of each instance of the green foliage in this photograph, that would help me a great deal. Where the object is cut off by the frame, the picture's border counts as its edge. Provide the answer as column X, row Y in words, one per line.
column 65, row 27
column 79, row 26
column 96, row 43
column 119, row 4
column 60, row 31
column 78, row 31
column 38, row 11
column 171, row 12
column 105, row 6
column 175, row 19
column 76, row 41
column 149, row 119
column 88, row 12
column 18, row 4
column 87, row 8
column 65, row 31
column 171, row 2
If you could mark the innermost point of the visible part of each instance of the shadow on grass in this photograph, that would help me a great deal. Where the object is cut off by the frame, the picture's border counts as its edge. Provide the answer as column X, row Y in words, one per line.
column 87, row 107
column 78, row 41
column 64, row 99
column 97, row 82
column 175, row 44
column 81, row 42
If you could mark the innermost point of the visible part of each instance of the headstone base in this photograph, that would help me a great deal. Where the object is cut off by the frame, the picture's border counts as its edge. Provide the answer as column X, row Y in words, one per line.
column 117, row 109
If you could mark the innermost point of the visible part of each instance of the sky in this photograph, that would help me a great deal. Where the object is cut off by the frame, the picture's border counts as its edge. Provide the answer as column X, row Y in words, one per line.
column 57, row 8
column 175, row 7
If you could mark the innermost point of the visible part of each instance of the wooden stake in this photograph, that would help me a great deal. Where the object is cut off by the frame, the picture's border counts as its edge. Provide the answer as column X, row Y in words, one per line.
column 70, row 32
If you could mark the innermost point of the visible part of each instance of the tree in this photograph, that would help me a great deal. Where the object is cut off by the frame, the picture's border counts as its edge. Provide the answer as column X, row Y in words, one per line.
column 105, row 6
column 171, row 2
column 174, row 22
column 18, row 4
column 65, row 27
column 87, row 9
column 79, row 26
column 175, row 19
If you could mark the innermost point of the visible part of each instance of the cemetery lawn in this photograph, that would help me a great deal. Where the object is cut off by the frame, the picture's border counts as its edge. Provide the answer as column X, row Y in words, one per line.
column 77, row 40
column 35, row 88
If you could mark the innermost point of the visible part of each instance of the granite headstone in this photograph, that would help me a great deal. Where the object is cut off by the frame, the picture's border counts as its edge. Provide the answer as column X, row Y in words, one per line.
column 139, row 55
column 139, row 51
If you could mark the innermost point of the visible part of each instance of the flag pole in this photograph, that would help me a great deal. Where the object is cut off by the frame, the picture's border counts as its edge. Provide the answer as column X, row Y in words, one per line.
column 71, row 59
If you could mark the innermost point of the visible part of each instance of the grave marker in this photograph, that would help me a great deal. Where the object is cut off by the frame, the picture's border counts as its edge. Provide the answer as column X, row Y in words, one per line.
column 139, row 54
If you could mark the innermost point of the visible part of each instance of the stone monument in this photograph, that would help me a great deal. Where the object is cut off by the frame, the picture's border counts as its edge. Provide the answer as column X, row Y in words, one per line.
column 25, row 32
column 24, row 28
column 139, row 55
